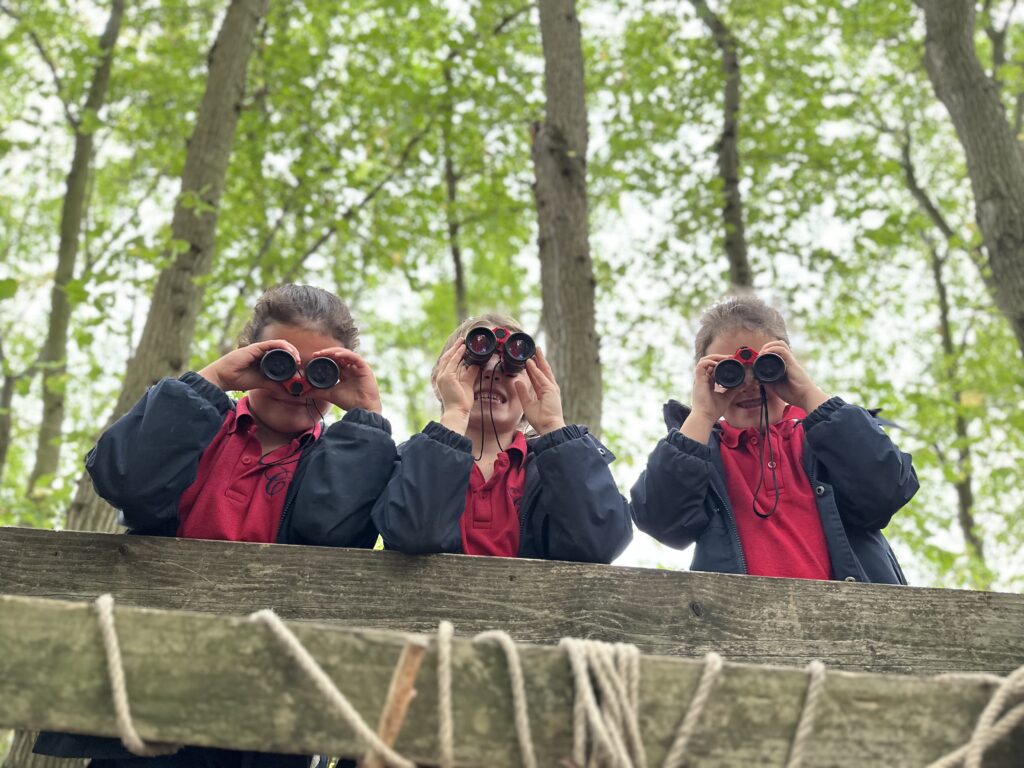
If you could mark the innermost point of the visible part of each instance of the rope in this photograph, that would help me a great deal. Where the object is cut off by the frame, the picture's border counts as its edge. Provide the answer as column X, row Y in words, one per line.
column 993, row 725
column 613, row 728
column 677, row 752
column 519, row 705
column 804, row 728
column 446, row 725
column 115, row 668
column 327, row 687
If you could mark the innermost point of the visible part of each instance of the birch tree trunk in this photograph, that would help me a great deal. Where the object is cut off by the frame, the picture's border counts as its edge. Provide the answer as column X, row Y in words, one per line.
column 163, row 349
column 994, row 160
column 560, row 163
column 53, row 358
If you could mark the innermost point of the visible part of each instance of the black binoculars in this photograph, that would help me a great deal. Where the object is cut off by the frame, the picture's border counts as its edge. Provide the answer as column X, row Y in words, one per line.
column 279, row 365
column 768, row 368
column 515, row 348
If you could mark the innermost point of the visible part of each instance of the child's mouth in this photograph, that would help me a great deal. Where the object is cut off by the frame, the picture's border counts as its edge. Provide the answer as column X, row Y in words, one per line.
column 495, row 397
column 748, row 405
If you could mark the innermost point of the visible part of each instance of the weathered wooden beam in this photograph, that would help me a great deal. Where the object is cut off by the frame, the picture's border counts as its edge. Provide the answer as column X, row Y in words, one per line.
column 758, row 620
column 224, row 681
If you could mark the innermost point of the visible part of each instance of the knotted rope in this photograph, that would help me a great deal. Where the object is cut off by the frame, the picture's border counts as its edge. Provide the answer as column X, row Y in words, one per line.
column 606, row 680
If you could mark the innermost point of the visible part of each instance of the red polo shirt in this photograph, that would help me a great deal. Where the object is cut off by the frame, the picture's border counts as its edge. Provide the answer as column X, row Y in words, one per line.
column 791, row 541
column 238, row 495
column 490, row 522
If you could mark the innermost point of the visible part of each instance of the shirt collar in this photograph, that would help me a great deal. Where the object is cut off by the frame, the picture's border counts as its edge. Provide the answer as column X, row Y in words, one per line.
column 245, row 420
column 517, row 449
column 791, row 416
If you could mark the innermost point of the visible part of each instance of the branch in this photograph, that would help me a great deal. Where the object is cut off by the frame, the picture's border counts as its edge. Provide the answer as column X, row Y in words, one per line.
column 41, row 49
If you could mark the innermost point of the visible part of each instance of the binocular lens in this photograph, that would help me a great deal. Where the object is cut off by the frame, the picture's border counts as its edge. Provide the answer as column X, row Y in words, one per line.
column 322, row 373
column 278, row 365
column 519, row 347
column 480, row 345
column 730, row 373
column 769, row 368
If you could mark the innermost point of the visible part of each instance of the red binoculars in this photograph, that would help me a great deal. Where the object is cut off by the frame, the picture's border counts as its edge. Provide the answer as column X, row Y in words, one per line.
column 279, row 365
column 515, row 348
column 768, row 368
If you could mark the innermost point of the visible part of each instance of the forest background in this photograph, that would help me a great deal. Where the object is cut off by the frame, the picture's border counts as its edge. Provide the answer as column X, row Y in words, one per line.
column 163, row 162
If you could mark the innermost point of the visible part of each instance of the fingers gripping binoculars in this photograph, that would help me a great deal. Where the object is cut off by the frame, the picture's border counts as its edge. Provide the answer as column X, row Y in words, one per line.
column 278, row 365
column 768, row 368
column 515, row 348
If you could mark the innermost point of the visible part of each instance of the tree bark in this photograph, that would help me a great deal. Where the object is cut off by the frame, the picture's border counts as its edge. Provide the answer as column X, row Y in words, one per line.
column 53, row 358
column 741, row 276
column 163, row 349
column 451, row 178
column 560, row 163
column 994, row 162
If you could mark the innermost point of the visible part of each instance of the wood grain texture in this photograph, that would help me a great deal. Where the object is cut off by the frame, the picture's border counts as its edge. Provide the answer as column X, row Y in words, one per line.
column 859, row 627
column 208, row 679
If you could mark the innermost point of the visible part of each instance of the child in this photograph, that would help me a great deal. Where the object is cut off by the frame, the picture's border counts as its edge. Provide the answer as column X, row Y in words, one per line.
column 805, row 498
column 474, row 483
column 188, row 461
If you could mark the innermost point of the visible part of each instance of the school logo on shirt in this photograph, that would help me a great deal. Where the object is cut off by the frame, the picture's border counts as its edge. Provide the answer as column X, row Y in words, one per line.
column 277, row 479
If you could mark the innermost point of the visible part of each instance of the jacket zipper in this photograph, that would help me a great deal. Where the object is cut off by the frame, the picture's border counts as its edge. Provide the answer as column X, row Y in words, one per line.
column 731, row 523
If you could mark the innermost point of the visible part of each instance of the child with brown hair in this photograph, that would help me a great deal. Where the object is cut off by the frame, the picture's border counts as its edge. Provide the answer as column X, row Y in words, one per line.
column 189, row 461
column 765, row 472
column 474, row 482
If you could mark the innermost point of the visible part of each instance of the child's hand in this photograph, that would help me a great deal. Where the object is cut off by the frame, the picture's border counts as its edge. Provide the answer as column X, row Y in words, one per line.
column 543, row 405
column 708, row 405
column 797, row 387
column 357, row 386
column 239, row 370
column 455, row 383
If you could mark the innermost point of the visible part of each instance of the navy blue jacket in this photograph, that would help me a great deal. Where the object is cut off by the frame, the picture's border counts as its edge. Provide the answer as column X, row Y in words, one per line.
column 571, row 508
column 144, row 462
column 860, row 479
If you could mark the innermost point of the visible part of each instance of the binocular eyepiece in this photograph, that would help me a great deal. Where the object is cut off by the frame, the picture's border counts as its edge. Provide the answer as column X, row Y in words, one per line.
column 278, row 365
column 768, row 368
column 515, row 348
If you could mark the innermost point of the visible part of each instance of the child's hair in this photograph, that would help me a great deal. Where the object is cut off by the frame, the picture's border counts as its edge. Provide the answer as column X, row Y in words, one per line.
column 302, row 306
column 489, row 319
column 747, row 312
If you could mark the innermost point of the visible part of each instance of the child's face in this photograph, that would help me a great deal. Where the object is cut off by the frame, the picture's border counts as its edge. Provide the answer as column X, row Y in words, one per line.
column 494, row 396
column 744, row 405
column 274, row 408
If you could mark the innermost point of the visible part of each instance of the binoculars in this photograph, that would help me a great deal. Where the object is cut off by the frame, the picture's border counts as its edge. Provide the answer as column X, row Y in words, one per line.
column 279, row 365
column 515, row 348
column 768, row 368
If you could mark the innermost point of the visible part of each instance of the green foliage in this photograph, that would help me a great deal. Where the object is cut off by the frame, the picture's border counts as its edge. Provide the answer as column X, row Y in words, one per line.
column 354, row 111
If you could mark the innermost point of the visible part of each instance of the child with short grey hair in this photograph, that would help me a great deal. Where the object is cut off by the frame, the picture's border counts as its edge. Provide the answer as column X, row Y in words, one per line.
column 766, row 473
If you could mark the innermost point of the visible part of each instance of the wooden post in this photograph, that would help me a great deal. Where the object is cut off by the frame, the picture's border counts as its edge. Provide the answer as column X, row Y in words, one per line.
column 219, row 681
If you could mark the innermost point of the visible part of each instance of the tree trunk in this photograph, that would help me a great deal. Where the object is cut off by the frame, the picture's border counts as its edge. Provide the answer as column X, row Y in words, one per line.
column 451, row 177
column 53, row 358
column 163, row 349
column 741, row 276
column 963, row 484
column 994, row 161
column 560, row 163
column 6, row 398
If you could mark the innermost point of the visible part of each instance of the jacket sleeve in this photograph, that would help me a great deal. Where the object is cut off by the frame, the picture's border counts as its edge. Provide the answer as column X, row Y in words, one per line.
column 668, row 499
column 871, row 477
column 583, row 516
column 343, row 474
column 147, row 458
column 421, row 509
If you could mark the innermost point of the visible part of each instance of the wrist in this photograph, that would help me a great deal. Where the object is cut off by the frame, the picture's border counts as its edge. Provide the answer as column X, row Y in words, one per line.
column 812, row 399
column 698, row 426
column 551, row 426
column 455, row 419
column 210, row 374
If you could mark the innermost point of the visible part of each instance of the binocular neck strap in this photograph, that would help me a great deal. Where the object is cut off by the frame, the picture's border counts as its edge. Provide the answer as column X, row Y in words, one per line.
column 764, row 429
